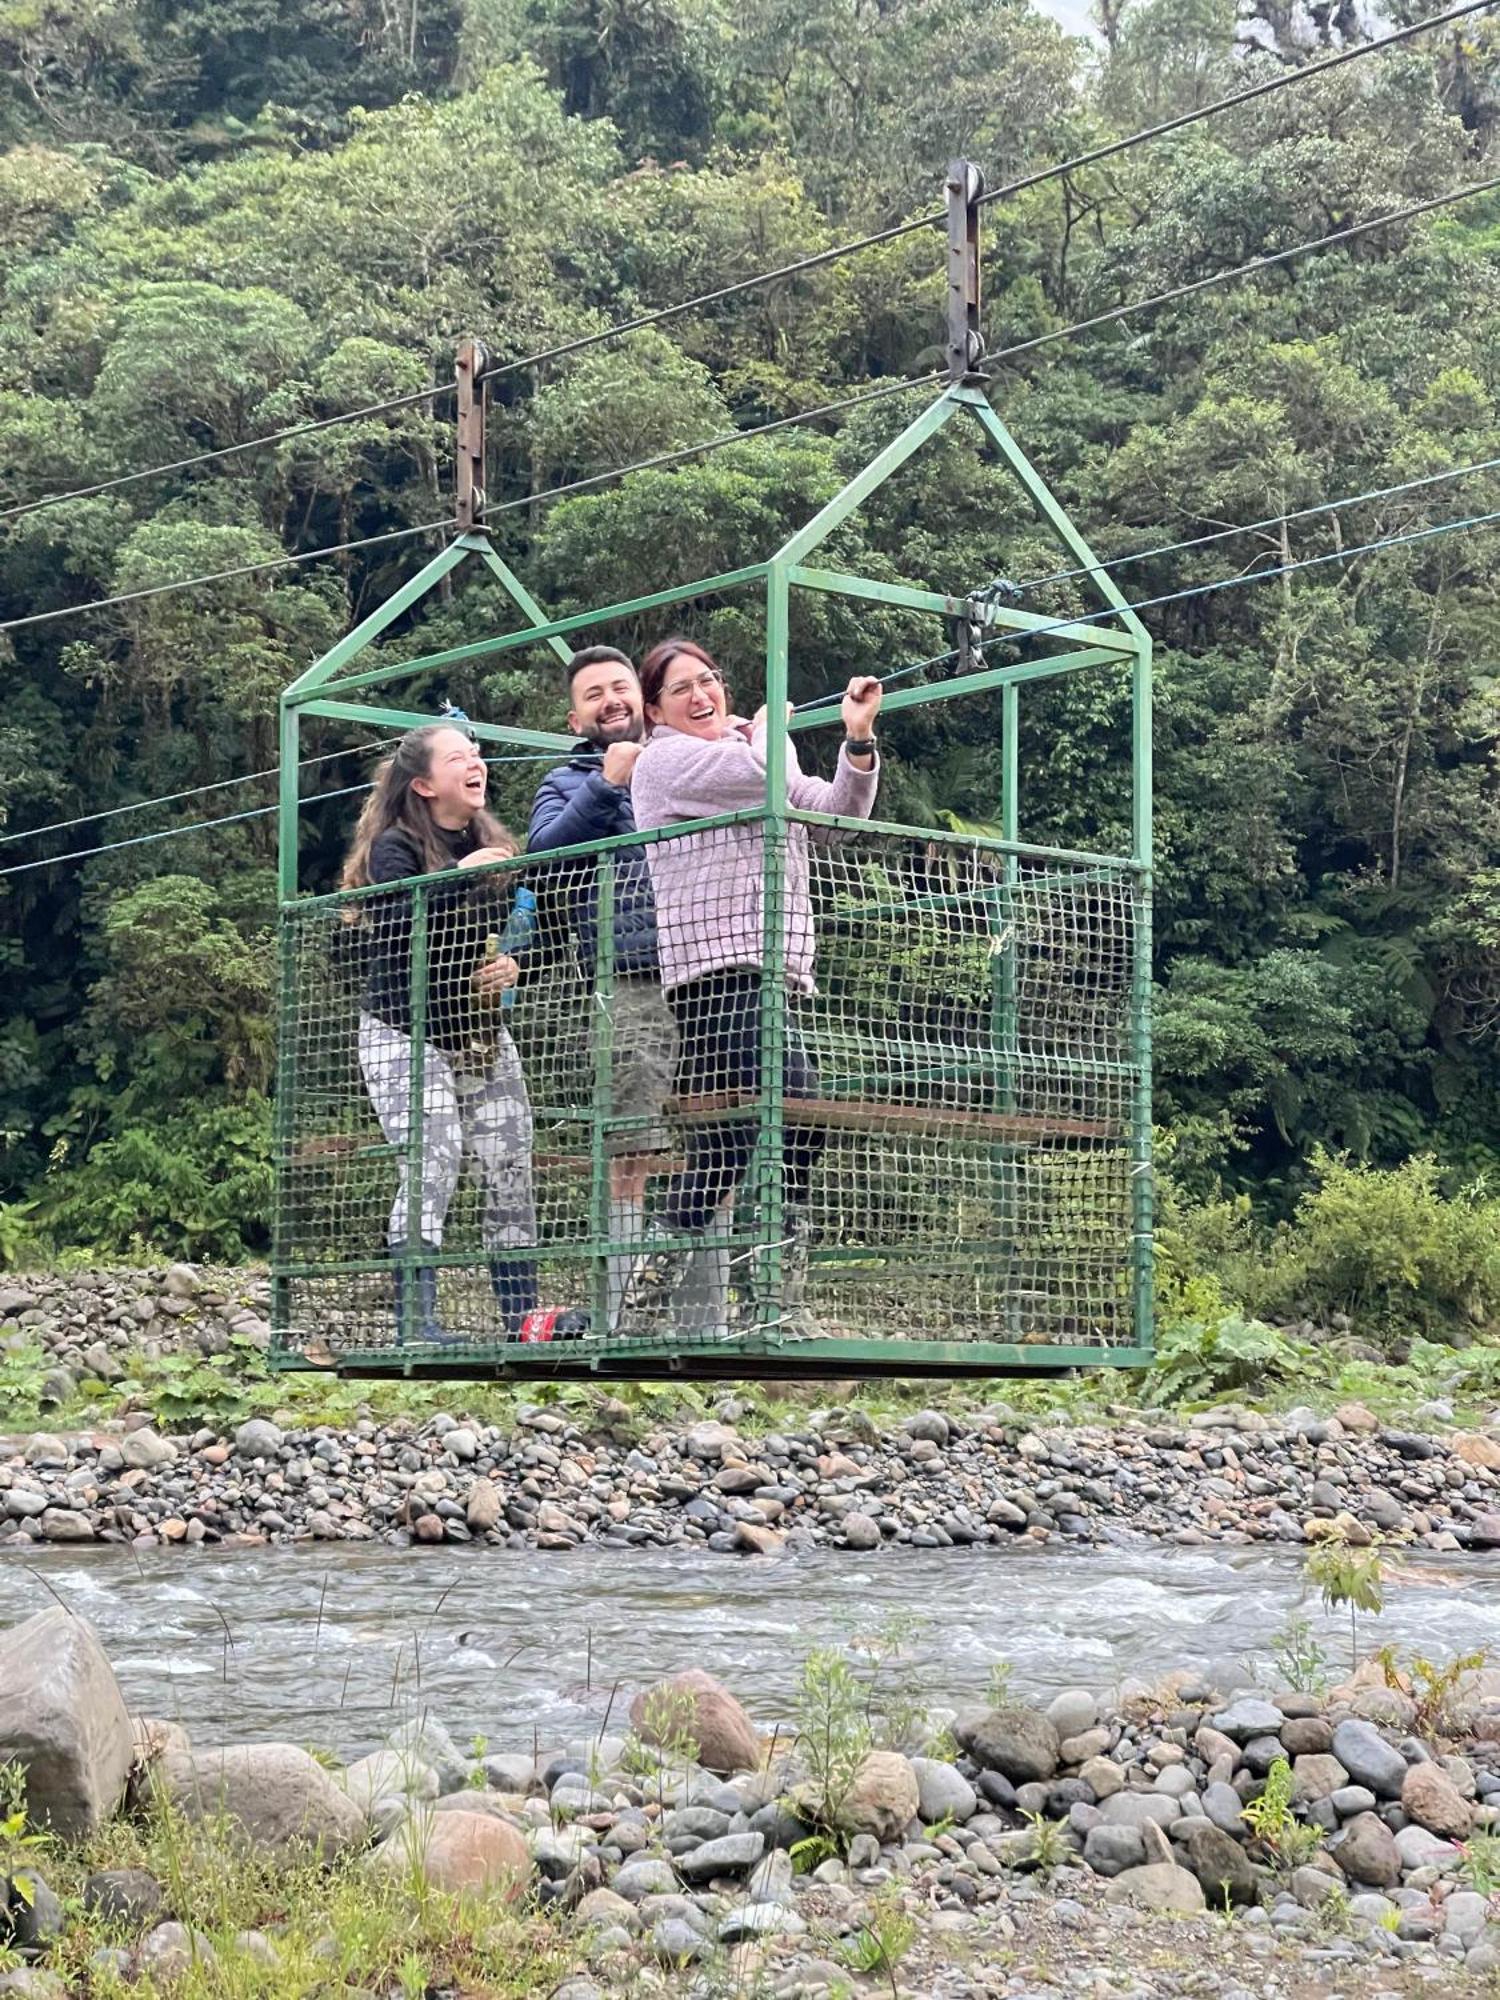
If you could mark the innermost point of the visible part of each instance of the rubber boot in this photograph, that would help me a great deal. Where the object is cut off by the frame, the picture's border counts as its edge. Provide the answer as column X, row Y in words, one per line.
column 513, row 1280
column 425, row 1329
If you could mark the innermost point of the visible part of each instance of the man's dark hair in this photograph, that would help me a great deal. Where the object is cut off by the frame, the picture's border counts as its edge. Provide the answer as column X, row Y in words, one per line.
column 595, row 656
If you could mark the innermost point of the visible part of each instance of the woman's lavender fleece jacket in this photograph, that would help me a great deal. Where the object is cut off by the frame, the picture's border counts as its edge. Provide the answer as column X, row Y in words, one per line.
column 710, row 887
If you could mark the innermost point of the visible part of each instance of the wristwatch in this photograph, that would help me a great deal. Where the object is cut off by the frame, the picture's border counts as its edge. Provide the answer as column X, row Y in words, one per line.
column 860, row 746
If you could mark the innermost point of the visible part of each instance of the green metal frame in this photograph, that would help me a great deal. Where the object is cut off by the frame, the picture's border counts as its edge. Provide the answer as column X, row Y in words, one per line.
column 336, row 688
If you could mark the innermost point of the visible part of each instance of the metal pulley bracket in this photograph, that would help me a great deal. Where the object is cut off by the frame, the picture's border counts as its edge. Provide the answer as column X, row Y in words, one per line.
column 964, row 186
column 468, row 499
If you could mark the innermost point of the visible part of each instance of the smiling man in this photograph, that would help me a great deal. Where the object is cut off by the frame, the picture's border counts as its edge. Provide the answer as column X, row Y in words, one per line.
column 588, row 798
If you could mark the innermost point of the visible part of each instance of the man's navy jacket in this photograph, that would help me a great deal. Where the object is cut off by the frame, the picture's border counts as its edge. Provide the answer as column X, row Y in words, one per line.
column 574, row 803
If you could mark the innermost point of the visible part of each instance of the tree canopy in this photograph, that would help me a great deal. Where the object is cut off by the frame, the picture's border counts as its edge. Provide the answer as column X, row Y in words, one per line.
column 217, row 223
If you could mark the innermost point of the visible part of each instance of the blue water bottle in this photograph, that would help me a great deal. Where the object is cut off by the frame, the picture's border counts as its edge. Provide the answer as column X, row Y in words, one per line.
column 520, row 928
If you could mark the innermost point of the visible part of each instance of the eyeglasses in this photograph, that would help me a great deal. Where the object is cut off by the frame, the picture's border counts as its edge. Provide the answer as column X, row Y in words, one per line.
column 703, row 683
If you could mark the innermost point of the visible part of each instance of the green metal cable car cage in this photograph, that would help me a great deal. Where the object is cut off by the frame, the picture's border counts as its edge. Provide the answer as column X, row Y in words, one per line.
column 973, row 1111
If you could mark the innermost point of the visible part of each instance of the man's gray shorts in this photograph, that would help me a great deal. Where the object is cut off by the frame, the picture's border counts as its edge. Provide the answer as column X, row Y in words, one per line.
column 644, row 1059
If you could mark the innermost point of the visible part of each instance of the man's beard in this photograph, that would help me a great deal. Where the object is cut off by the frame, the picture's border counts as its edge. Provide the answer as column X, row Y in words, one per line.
column 632, row 730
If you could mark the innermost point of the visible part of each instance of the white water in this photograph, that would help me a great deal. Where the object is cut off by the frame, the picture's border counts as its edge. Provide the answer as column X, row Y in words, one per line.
column 332, row 1647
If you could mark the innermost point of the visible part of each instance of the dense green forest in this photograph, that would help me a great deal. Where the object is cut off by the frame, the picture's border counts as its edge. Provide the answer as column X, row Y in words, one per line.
column 218, row 220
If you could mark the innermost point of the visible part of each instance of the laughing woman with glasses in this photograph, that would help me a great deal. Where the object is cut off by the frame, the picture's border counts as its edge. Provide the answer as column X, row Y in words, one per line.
column 701, row 761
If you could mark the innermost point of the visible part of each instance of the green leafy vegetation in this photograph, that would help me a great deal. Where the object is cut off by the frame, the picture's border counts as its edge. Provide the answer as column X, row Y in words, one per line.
column 1349, row 1575
column 1299, row 1661
column 338, row 1922
column 212, row 228
column 1270, row 1818
column 1435, row 1688
column 878, row 1945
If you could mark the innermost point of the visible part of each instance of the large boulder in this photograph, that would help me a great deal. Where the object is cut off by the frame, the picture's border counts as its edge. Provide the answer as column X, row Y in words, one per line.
column 457, row 1850
column 274, row 1794
column 64, row 1721
column 884, row 1797
column 1018, row 1742
column 701, row 1711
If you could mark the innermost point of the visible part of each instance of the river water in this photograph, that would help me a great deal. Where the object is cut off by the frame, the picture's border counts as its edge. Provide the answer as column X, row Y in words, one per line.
column 332, row 1648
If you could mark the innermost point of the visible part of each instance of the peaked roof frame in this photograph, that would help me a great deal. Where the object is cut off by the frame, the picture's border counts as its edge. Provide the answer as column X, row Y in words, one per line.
column 336, row 687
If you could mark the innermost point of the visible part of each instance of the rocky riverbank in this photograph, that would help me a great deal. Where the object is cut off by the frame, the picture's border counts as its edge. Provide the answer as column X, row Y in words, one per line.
column 927, row 1478
column 1227, row 1844
column 930, row 1480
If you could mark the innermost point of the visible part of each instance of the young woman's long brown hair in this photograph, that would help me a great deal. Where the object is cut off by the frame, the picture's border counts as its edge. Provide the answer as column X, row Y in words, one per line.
column 393, row 803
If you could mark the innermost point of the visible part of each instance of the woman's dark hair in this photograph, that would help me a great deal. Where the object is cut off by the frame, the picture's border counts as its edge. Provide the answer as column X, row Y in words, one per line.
column 393, row 803
column 659, row 659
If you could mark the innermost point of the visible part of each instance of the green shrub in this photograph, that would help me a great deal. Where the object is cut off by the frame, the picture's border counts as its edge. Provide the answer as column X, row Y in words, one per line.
column 1196, row 1362
column 1387, row 1247
column 195, row 1185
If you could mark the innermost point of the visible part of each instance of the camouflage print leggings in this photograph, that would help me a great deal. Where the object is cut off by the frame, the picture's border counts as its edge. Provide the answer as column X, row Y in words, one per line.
column 488, row 1117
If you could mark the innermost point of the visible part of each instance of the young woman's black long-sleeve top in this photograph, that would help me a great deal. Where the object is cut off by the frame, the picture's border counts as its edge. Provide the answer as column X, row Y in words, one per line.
column 461, row 916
